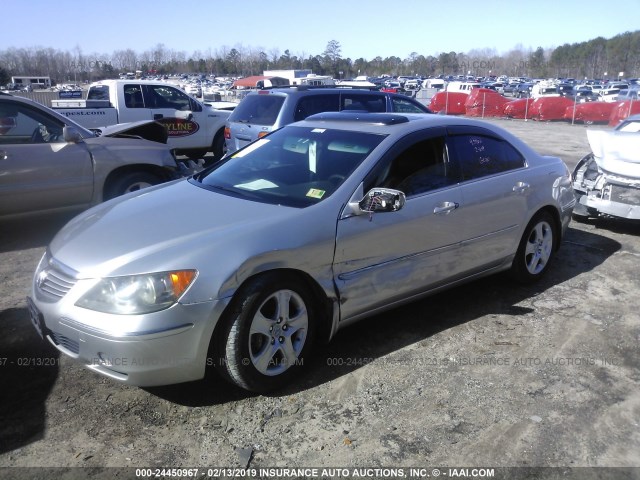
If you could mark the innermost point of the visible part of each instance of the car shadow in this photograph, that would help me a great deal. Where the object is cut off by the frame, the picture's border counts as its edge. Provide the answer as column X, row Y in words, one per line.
column 395, row 329
column 31, row 232
column 28, row 371
column 615, row 225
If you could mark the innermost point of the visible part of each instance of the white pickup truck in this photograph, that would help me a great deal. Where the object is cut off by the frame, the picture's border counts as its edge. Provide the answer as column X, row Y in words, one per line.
column 194, row 128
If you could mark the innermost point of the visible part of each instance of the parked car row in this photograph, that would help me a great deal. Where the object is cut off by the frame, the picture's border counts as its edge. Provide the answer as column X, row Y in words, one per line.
column 579, row 93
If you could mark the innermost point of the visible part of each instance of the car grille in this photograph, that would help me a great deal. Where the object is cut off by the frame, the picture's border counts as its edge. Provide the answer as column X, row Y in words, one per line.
column 55, row 280
column 66, row 342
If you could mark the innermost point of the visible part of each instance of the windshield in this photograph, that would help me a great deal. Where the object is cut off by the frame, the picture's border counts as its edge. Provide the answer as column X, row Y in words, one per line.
column 294, row 166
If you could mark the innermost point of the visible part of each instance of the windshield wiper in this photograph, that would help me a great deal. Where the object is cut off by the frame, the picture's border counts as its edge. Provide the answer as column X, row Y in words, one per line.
column 220, row 187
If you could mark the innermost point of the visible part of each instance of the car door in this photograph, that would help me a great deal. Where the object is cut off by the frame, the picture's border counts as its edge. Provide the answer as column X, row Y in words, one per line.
column 494, row 193
column 384, row 257
column 38, row 170
column 186, row 119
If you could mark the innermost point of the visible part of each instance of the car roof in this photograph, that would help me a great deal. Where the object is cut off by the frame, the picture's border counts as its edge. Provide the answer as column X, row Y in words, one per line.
column 310, row 89
column 398, row 125
column 388, row 122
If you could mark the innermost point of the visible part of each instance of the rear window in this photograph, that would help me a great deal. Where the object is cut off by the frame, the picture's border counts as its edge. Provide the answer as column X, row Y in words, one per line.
column 258, row 109
column 98, row 92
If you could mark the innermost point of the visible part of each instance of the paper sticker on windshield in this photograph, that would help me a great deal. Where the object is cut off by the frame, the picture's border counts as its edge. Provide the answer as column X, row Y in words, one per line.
column 260, row 184
column 315, row 193
column 318, row 130
column 253, row 146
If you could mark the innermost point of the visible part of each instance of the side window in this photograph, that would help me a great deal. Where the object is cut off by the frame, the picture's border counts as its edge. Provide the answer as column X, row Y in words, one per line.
column 313, row 104
column 419, row 168
column 133, row 96
column 20, row 124
column 480, row 156
column 405, row 106
column 369, row 103
column 194, row 106
column 164, row 96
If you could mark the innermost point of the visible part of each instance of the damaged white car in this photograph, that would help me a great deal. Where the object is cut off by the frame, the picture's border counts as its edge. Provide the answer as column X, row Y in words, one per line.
column 607, row 181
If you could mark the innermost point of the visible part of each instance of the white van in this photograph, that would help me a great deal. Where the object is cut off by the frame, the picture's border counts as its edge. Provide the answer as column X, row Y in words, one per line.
column 434, row 83
column 463, row 87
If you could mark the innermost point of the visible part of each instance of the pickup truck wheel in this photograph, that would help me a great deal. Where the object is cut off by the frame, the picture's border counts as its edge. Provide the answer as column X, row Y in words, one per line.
column 218, row 146
column 131, row 182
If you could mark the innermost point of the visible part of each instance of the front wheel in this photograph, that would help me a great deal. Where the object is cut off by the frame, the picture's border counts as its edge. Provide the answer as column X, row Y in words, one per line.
column 266, row 334
column 536, row 249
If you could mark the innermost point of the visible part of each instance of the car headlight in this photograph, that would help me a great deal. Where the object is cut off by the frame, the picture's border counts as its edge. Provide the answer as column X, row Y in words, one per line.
column 137, row 294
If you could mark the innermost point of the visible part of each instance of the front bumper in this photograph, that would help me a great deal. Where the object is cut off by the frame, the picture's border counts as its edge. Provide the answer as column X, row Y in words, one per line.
column 160, row 348
column 602, row 202
column 604, row 194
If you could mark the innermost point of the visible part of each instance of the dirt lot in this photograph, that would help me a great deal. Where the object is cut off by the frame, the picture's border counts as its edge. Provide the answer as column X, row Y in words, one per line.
column 490, row 374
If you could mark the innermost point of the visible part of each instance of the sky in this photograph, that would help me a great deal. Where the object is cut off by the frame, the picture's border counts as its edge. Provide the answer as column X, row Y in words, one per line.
column 363, row 29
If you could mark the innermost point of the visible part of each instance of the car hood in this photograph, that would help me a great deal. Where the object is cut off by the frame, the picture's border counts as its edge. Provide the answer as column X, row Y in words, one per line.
column 179, row 225
column 128, row 150
column 616, row 152
column 149, row 130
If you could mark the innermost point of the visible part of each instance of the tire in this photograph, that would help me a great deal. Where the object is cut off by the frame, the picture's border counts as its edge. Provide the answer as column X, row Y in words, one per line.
column 536, row 249
column 218, row 146
column 261, row 345
column 131, row 182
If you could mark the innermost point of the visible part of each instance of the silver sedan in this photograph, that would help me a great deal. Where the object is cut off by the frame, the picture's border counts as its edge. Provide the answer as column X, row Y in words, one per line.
column 50, row 163
column 248, row 265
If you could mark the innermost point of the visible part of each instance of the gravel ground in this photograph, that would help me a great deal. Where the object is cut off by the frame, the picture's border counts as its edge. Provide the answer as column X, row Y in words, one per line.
column 488, row 374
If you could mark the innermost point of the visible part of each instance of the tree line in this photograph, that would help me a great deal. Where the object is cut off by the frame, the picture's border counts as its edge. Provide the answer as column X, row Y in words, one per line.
column 596, row 58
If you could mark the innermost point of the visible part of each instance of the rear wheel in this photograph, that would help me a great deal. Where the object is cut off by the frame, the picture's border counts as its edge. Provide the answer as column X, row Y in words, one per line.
column 131, row 182
column 218, row 146
column 536, row 249
column 266, row 334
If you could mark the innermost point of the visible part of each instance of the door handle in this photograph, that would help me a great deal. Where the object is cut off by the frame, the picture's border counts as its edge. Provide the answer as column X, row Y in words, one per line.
column 157, row 116
column 445, row 208
column 3, row 155
column 521, row 187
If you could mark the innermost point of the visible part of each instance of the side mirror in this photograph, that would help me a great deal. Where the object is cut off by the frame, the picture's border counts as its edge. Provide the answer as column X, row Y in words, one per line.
column 382, row 200
column 71, row 134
